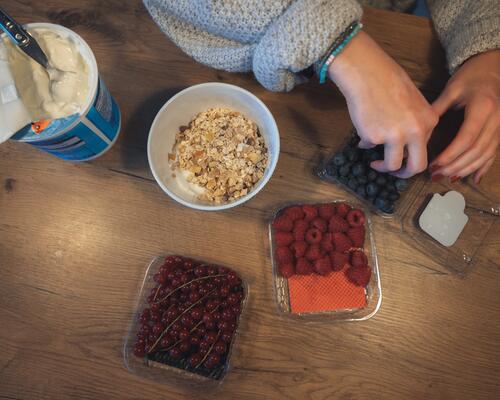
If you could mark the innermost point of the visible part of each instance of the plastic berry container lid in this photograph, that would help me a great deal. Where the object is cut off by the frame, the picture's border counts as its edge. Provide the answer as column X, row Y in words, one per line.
column 158, row 365
column 331, row 296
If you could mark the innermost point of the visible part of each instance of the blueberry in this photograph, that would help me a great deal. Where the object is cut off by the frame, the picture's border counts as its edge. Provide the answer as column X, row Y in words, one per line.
column 371, row 199
column 373, row 155
column 361, row 191
column 390, row 178
column 381, row 180
column 345, row 169
column 372, row 175
column 389, row 209
column 393, row 196
column 331, row 170
column 372, row 189
column 362, row 180
column 339, row 159
column 390, row 187
column 353, row 183
column 354, row 140
column 343, row 179
column 381, row 203
column 352, row 154
column 401, row 184
column 358, row 169
column 384, row 194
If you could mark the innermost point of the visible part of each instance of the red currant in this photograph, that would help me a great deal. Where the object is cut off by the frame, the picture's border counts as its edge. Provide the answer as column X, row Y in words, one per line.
column 210, row 337
column 140, row 351
column 195, row 359
column 220, row 347
column 175, row 353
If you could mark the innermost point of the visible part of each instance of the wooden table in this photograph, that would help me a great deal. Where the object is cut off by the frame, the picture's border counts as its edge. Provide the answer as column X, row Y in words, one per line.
column 75, row 240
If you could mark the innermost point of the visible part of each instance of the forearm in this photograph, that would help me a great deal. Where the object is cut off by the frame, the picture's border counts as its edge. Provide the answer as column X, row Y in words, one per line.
column 466, row 28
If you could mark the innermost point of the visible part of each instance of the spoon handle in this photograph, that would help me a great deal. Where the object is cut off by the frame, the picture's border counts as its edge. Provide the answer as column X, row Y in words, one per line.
column 22, row 39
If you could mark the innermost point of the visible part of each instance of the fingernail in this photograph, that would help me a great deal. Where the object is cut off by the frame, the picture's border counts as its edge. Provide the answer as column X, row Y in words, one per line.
column 455, row 178
column 434, row 168
column 437, row 177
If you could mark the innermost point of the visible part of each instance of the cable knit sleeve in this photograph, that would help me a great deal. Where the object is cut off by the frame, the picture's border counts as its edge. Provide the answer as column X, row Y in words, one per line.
column 276, row 39
column 466, row 27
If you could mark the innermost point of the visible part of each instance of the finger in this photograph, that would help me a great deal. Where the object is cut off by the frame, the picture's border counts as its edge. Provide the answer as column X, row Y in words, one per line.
column 483, row 149
column 475, row 118
column 416, row 161
column 366, row 144
column 482, row 171
column 393, row 158
column 447, row 99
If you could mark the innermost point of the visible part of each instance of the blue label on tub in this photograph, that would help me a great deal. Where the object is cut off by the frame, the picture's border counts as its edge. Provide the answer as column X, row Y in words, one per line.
column 77, row 138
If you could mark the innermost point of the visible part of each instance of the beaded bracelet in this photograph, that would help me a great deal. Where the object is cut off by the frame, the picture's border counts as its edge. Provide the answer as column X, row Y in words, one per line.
column 336, row 48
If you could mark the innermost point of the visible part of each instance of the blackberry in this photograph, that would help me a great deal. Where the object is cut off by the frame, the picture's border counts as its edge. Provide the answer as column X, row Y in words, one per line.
column 401, row 184
column 362, row 180
column 372, row 189
column 372, row 175
column 352, row 183
column 384, row 194
column 381, row 180
column 393, row 196
column 358, row 169
column 345, row 169
column 361, row 191
column 339, row 159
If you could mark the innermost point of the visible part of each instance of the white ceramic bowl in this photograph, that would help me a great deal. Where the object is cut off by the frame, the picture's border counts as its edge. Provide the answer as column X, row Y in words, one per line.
column 180, row 110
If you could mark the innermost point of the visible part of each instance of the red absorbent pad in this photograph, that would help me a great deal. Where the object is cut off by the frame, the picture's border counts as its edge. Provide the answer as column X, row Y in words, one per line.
column 316, row 293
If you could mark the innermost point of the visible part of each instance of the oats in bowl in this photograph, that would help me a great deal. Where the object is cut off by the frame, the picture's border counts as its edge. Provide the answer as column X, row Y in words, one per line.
column 222, row 152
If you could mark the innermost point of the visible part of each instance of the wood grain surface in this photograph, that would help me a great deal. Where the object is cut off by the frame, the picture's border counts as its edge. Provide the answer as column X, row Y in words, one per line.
column 75, row 240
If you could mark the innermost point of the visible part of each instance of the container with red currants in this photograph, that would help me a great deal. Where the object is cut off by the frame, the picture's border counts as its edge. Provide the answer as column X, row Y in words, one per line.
column 325, row 262
column 185, row 322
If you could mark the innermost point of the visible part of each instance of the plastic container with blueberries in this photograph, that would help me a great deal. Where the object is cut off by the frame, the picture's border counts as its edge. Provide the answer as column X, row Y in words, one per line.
column 407, row 207
column 159, row 366
column 291, row 296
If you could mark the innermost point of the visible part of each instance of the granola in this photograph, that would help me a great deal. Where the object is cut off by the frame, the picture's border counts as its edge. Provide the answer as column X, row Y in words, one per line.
column 223, row 152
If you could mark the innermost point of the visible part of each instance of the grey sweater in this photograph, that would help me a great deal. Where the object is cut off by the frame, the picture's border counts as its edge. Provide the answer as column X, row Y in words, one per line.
column 277, row 39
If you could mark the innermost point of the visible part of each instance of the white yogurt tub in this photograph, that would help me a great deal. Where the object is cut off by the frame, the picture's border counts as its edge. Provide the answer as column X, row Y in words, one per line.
column 81, row 136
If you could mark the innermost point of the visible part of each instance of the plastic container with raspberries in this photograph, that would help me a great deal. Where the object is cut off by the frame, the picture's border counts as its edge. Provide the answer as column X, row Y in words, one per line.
column 325, row 262
column 185, row 323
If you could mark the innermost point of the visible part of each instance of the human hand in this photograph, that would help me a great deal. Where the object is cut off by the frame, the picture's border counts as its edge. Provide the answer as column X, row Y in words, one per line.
column 385, row 106
column 475, row 87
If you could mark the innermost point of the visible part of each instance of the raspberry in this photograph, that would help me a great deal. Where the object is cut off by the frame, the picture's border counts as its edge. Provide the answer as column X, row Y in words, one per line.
column 313, row 235
column 283, row 255
column 287, row 270
column 326, row 211
column 326, row 243
column 357, row 236
column 339, row 260
column 303, row 267
column 341, row 242
column 360, row 276
column 342, row 209
column 314, row 253
column 358, row 259
column 356, row 218
column 294, row 213
column 299, row 229
column 319, row 223
column 323, row 266
column 338, row 224
column 283, row 238
column 283, row 223
column 310, row 212
column 299, row 248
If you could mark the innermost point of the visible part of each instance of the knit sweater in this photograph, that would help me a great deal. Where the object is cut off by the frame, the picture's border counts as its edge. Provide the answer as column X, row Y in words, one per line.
column 277, row 39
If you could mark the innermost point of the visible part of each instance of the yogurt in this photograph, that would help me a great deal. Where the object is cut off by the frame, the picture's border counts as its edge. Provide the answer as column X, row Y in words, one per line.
column 59, row 92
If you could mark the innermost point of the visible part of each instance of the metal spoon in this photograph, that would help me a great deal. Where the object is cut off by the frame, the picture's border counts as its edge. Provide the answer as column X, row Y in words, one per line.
column 28, row 44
